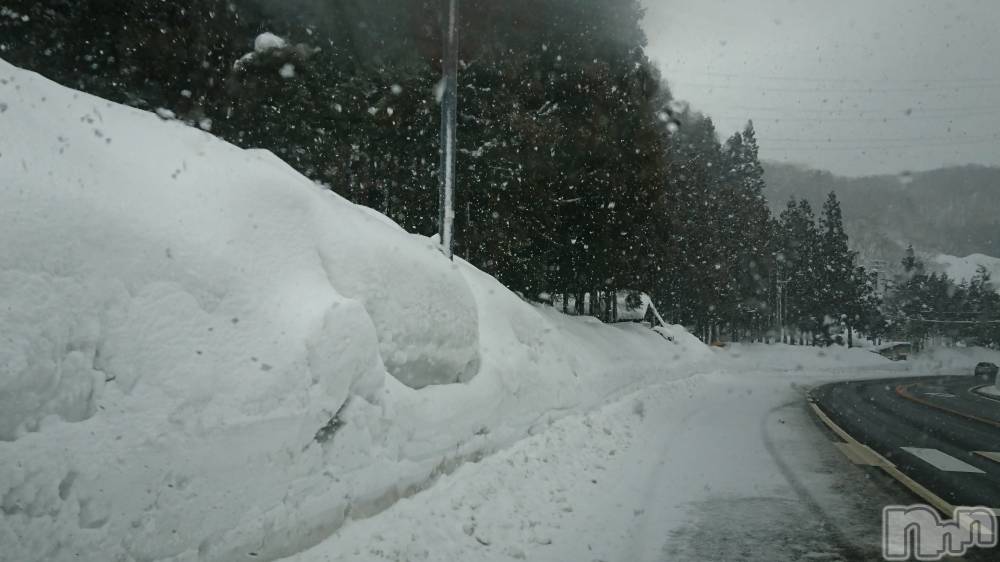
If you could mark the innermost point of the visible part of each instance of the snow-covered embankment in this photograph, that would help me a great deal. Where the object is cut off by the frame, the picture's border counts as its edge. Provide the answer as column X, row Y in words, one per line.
column 205, row 355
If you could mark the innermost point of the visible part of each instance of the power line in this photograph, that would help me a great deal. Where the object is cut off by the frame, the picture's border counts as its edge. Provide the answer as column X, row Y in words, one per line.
column 882, row 147
column 957, row 313
column 934, row 321
column 913, row 118
column 898, row 139
column 917, row 110
column 844, row 80
column 930, row 89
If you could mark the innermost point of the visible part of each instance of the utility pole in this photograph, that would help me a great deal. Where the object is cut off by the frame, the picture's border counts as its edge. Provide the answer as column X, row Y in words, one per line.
column 781, row 281
column 781, row 314
column 449, row 121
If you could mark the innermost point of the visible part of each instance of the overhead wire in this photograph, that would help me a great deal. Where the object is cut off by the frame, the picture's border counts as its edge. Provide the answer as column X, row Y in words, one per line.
column 896, row 139
column 835, row 90
column 911, row 118
column 910, row 113
column 817, row 147
column 969, row 80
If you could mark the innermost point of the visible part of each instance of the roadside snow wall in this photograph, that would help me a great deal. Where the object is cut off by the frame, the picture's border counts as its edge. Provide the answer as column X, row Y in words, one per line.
column 196, row 343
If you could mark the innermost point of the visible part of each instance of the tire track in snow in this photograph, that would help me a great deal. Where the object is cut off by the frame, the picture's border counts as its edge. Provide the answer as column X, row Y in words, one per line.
column 837, row 537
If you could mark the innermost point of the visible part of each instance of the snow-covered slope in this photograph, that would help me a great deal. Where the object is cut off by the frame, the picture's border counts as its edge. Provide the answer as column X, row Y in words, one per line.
column 205, row 355
column 964, row 269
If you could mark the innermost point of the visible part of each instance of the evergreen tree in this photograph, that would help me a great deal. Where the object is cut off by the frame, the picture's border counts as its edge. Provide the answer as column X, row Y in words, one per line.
column 578, row 174
column 908, row 304
column 747, row 219
column 839, row 282
column 799, row 266
column 699, row 270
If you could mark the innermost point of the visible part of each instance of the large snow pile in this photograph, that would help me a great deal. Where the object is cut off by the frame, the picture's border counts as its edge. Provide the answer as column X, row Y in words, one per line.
column 196, row 342
column 964, row 269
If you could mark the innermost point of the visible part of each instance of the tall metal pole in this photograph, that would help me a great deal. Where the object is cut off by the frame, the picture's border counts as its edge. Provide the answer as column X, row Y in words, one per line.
column 781, row 302
column 449, row 119
column 781, row 309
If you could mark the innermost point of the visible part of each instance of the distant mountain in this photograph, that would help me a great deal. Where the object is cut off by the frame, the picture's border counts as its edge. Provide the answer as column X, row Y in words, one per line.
column 963, row 269
column 953, row 211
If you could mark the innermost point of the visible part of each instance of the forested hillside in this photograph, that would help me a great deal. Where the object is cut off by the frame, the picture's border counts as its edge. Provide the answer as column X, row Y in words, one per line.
column 952, row 211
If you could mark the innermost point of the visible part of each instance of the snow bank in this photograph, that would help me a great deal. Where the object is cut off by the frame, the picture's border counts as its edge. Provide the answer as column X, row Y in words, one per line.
column 991, row 390
column 627, row 481
column 196, row 343
column 951, row 360
column 166, row 296
column 931, row 361
column 783, row 357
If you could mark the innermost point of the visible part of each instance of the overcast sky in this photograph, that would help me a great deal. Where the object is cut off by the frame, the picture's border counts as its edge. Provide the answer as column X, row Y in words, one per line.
column 853, row 86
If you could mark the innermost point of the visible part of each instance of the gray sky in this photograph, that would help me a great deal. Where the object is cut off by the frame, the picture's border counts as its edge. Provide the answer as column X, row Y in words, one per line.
column 853, row 86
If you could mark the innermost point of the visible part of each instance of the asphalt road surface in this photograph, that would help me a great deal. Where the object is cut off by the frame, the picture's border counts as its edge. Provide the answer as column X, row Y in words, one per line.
column 937, row 431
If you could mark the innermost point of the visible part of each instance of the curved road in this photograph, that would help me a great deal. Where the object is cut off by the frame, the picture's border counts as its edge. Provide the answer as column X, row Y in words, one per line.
column 936, row 430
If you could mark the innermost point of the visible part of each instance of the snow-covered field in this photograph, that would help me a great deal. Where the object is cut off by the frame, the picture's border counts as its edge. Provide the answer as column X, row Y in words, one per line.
column 206, row 355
